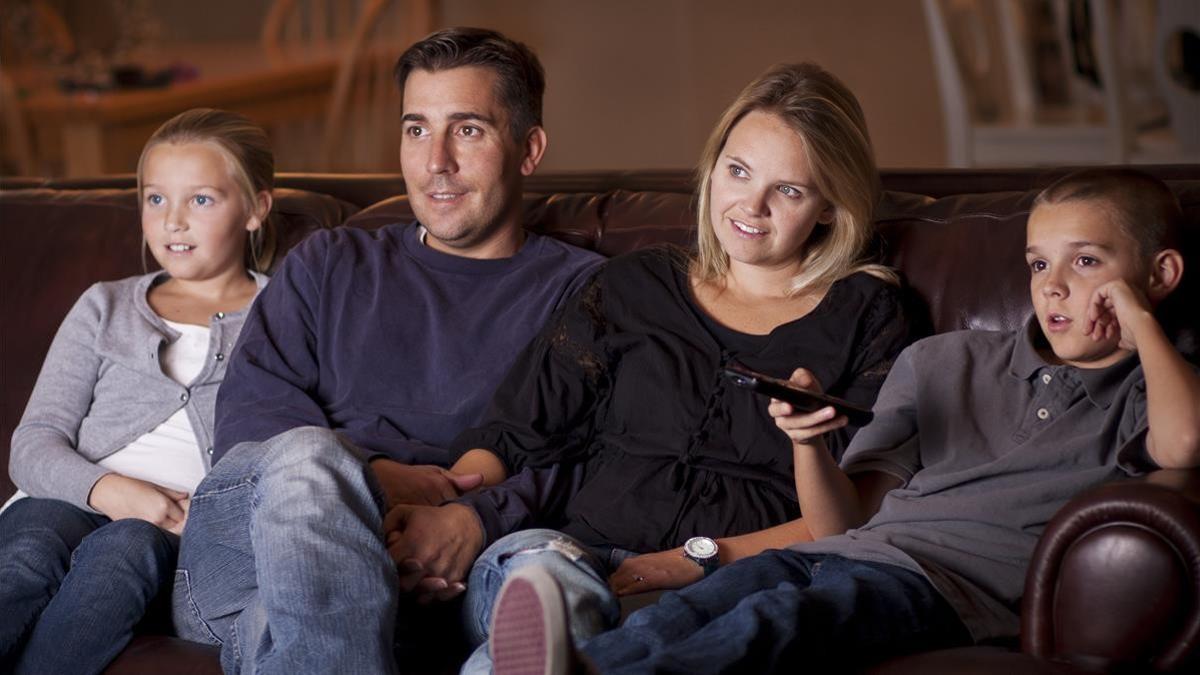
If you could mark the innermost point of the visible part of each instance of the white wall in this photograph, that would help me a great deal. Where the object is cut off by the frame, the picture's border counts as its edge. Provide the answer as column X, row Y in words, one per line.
column 639, row 83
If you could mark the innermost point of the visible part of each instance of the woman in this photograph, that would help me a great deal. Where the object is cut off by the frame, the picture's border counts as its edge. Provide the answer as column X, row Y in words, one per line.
column 626, row 385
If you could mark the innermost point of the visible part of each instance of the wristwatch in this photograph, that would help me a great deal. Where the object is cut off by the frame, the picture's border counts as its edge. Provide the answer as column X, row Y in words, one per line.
column 703, row 552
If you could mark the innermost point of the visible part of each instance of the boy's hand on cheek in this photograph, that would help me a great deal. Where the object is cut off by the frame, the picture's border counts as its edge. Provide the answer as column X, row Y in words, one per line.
column 1115, row 310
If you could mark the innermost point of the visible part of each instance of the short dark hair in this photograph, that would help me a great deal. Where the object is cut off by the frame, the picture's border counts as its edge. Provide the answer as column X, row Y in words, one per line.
column 1141, row 205
column 522, row 82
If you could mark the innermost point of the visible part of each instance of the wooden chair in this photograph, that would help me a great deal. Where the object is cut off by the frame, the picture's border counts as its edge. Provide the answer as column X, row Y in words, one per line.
column 16, row 150
column 361, row 128
column 305, row 29
column 1176, row 18
column 994, row 115
column 33, row 33
column 34, row 42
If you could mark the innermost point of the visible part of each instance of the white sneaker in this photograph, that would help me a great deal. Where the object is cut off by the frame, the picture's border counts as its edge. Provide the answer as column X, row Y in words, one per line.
column 529, row 633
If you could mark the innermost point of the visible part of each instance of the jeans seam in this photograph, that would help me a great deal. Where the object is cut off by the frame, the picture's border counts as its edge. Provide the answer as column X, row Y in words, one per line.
column 194, row 609
column 223, row 490
column 235, row 645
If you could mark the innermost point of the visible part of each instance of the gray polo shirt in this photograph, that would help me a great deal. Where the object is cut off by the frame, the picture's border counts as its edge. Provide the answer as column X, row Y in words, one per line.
column 989, row 442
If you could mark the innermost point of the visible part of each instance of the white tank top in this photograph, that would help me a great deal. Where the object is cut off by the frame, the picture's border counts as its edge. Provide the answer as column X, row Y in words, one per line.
column 168, row 455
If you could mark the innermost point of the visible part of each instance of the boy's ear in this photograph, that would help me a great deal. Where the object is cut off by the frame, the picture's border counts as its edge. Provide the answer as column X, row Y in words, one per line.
column 1166, row 271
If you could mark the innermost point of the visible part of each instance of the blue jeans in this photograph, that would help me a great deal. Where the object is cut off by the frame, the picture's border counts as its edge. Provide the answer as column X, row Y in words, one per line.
column 582, row 573
column 75, row 585
column 283, row 563
column 783, row 610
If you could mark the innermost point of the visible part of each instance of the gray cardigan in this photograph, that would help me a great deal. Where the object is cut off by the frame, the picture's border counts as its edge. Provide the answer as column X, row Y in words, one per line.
column 102, row 387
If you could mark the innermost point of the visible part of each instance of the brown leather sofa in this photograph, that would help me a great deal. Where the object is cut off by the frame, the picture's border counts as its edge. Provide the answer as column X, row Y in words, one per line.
column 1115, row 582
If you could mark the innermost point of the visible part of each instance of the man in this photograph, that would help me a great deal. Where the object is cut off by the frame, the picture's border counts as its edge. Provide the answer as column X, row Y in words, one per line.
column 367, row 353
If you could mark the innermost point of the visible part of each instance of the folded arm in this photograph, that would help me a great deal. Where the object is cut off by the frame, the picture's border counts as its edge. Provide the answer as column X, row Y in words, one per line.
column 44, row 461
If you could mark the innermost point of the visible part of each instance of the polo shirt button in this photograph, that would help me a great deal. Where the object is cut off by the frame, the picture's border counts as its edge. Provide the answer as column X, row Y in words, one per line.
column 219, row 315
column 1046, row 378
column 209, row 450
column 183, row 397
column 1042, row 413
column 219, row 356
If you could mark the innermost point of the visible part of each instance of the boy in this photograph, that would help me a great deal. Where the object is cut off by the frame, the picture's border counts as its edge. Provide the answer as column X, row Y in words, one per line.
column 924, row 533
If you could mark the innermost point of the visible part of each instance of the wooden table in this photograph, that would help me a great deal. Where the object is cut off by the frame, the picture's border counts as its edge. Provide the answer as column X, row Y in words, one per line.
column 102, row 133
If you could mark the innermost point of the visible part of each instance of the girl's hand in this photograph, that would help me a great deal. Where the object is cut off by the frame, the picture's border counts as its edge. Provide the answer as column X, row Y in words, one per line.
column 1113, row 311
column 654, row 572
column 118, row 497
column 805, row 428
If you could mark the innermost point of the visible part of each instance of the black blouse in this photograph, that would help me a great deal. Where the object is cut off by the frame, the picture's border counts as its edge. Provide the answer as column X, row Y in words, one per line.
column 626, row 379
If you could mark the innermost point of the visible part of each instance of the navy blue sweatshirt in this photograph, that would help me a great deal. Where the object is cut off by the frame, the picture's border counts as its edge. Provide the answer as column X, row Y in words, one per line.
column 394, row 344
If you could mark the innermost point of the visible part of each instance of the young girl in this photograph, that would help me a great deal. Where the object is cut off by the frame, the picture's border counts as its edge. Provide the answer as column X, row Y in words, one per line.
column 118, row 429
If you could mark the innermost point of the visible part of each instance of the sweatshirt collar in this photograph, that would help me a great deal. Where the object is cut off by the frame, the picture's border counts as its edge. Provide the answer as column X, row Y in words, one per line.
column 410, row 241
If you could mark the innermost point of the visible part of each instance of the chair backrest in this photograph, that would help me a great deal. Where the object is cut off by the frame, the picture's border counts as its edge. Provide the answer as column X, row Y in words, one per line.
column 362, row 125
column 303, row 29
column 956, row 109
column 1181, row 89
column 985, row 63
column 34, row 43
column 33, row 32
column 16, row 151
column 360, row 130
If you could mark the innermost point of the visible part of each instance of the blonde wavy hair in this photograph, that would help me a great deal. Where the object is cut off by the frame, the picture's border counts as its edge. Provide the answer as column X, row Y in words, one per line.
column 247, row 151
column 818, row 107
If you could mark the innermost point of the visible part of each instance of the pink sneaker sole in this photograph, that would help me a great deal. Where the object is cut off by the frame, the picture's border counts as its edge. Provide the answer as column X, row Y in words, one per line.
column 529, row 631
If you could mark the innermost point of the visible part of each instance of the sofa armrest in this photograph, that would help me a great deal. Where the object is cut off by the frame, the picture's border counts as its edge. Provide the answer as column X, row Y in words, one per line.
column 1115, row 579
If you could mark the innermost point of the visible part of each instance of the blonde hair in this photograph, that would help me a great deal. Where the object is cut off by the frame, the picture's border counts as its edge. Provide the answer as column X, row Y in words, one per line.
column 247, row 150
column 818, row 107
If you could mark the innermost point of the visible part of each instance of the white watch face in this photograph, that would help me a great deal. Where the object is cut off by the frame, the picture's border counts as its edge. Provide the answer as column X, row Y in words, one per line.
column 700, row 547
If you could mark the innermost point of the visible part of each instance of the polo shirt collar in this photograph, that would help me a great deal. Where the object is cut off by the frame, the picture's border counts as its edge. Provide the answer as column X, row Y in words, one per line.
column 1100, row 384
column 1025, row 361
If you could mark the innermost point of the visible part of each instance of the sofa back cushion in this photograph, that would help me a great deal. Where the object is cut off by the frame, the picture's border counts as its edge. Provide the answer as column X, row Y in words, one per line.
column 963, row 255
